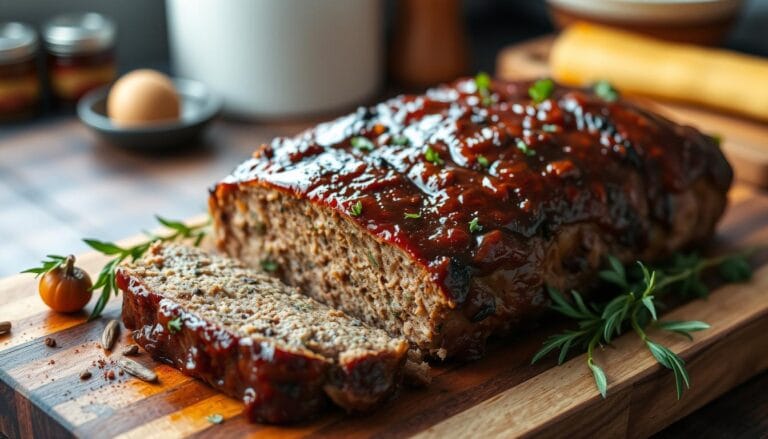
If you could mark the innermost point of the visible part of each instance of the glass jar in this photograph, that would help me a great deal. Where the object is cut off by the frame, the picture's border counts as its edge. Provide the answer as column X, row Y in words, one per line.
column 19, row 81
column 81, row 54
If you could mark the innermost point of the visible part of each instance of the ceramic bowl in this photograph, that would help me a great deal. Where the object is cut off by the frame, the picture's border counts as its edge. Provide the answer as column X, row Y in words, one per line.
column 198, row 107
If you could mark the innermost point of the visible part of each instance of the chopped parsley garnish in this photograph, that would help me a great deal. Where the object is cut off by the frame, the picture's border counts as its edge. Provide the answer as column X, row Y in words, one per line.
column 482, row 160
column 362, row 143
column 483, row 84
column 174, row 325
column 549, row 128
column 433, row 156
column 605, row 91
column 416, row 215
column 215, row 418
column 522, row 146
column 541, row 90
column 400, row 140
column 717, row 138
column 356, row 209
column 474, row 226
column 269, row 265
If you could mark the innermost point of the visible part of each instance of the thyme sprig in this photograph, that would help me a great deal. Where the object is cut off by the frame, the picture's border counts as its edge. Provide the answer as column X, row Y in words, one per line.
column 106, row 279
column 636, row 308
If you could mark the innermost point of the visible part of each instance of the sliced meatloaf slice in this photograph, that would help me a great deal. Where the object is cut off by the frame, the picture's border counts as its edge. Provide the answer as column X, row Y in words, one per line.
column 442, row 217
column 252, row 337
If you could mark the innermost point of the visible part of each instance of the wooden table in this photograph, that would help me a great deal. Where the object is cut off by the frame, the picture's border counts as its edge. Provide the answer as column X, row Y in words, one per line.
column 58, row 183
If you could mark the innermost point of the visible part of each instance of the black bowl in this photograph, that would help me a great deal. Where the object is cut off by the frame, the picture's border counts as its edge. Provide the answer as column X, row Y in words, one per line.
column 198, row 107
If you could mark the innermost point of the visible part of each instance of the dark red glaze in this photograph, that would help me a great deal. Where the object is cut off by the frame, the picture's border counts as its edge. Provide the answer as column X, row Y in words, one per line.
column 572, row 158
column 276, row 386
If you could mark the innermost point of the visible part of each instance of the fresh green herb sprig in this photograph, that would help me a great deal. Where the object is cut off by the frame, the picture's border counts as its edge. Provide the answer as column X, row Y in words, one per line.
column 106, row 279
column 636, row 308
column 53, row 262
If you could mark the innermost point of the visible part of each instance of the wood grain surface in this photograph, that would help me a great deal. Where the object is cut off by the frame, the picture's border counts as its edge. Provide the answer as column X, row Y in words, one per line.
column 502, row 395
column 744, row 142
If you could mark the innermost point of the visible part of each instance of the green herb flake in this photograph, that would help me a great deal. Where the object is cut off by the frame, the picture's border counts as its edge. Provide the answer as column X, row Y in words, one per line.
column 605, row 91
column 541, row 90
column 718, row 139
column 269, row 265
column 362, row 143
column 174, row 325
column 400, row 140
column 482, row 81
column 356, row 209
column 433, row 156
column 372, row 259
column 522, row 146
column 549, row 128
column 215, row 418
column 483, row 161
column 416, row 215
column 474, row 225
column 483, row 85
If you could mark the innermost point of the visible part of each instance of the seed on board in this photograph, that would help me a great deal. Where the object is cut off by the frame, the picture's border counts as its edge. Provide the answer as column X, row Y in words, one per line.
column 5, row 327
column 111, row 374
column 85, row 375
column 130, row 350
column 136, row 369
column 50, row 342
column 109, row 335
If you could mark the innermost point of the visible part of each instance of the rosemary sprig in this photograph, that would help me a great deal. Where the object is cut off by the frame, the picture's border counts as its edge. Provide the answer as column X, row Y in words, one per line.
column 106, row 280
column 53, row 262
column 635, row 308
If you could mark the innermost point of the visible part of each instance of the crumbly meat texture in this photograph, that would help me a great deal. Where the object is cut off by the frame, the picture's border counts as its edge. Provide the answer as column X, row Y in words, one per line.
column 441, row 218
column 253, row 337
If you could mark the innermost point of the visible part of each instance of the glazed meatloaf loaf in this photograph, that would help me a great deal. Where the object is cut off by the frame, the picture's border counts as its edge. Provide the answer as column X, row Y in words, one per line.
column 442, row 217
column 252, row 337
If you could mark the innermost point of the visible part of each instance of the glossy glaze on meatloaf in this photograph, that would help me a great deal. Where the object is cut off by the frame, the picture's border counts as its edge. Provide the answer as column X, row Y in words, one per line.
column 441, row 217
column 252, row 337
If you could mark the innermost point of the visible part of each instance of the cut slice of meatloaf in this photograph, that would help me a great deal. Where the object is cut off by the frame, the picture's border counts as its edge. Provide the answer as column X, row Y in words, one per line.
column 442, row 217
column 252, row 337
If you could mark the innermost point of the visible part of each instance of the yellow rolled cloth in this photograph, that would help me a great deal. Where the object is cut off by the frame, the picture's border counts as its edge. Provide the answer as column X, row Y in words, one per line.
column 730, row 81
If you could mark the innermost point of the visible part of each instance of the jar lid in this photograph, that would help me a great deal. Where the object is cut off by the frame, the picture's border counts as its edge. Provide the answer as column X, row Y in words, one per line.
column 78, row 33
column 18, row 42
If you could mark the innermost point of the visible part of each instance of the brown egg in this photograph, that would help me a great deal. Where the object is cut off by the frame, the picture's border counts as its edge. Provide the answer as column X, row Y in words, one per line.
column 143, row 97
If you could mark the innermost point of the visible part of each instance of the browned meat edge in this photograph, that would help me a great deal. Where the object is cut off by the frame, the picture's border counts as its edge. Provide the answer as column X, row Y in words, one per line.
column 277, row 386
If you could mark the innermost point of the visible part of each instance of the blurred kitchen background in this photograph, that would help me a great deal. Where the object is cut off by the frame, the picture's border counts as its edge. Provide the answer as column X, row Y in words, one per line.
column 61, row 181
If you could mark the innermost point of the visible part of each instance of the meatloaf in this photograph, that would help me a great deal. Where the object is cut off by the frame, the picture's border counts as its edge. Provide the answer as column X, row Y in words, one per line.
column 442, row 217
column 252, row 337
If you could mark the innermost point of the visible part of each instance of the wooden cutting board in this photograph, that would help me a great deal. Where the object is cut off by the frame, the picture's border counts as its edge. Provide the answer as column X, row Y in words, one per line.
column 41, row 393
column 744, row 141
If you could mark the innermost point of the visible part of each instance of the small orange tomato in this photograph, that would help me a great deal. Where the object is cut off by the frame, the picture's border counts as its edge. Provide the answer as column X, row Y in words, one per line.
column 66, row 288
